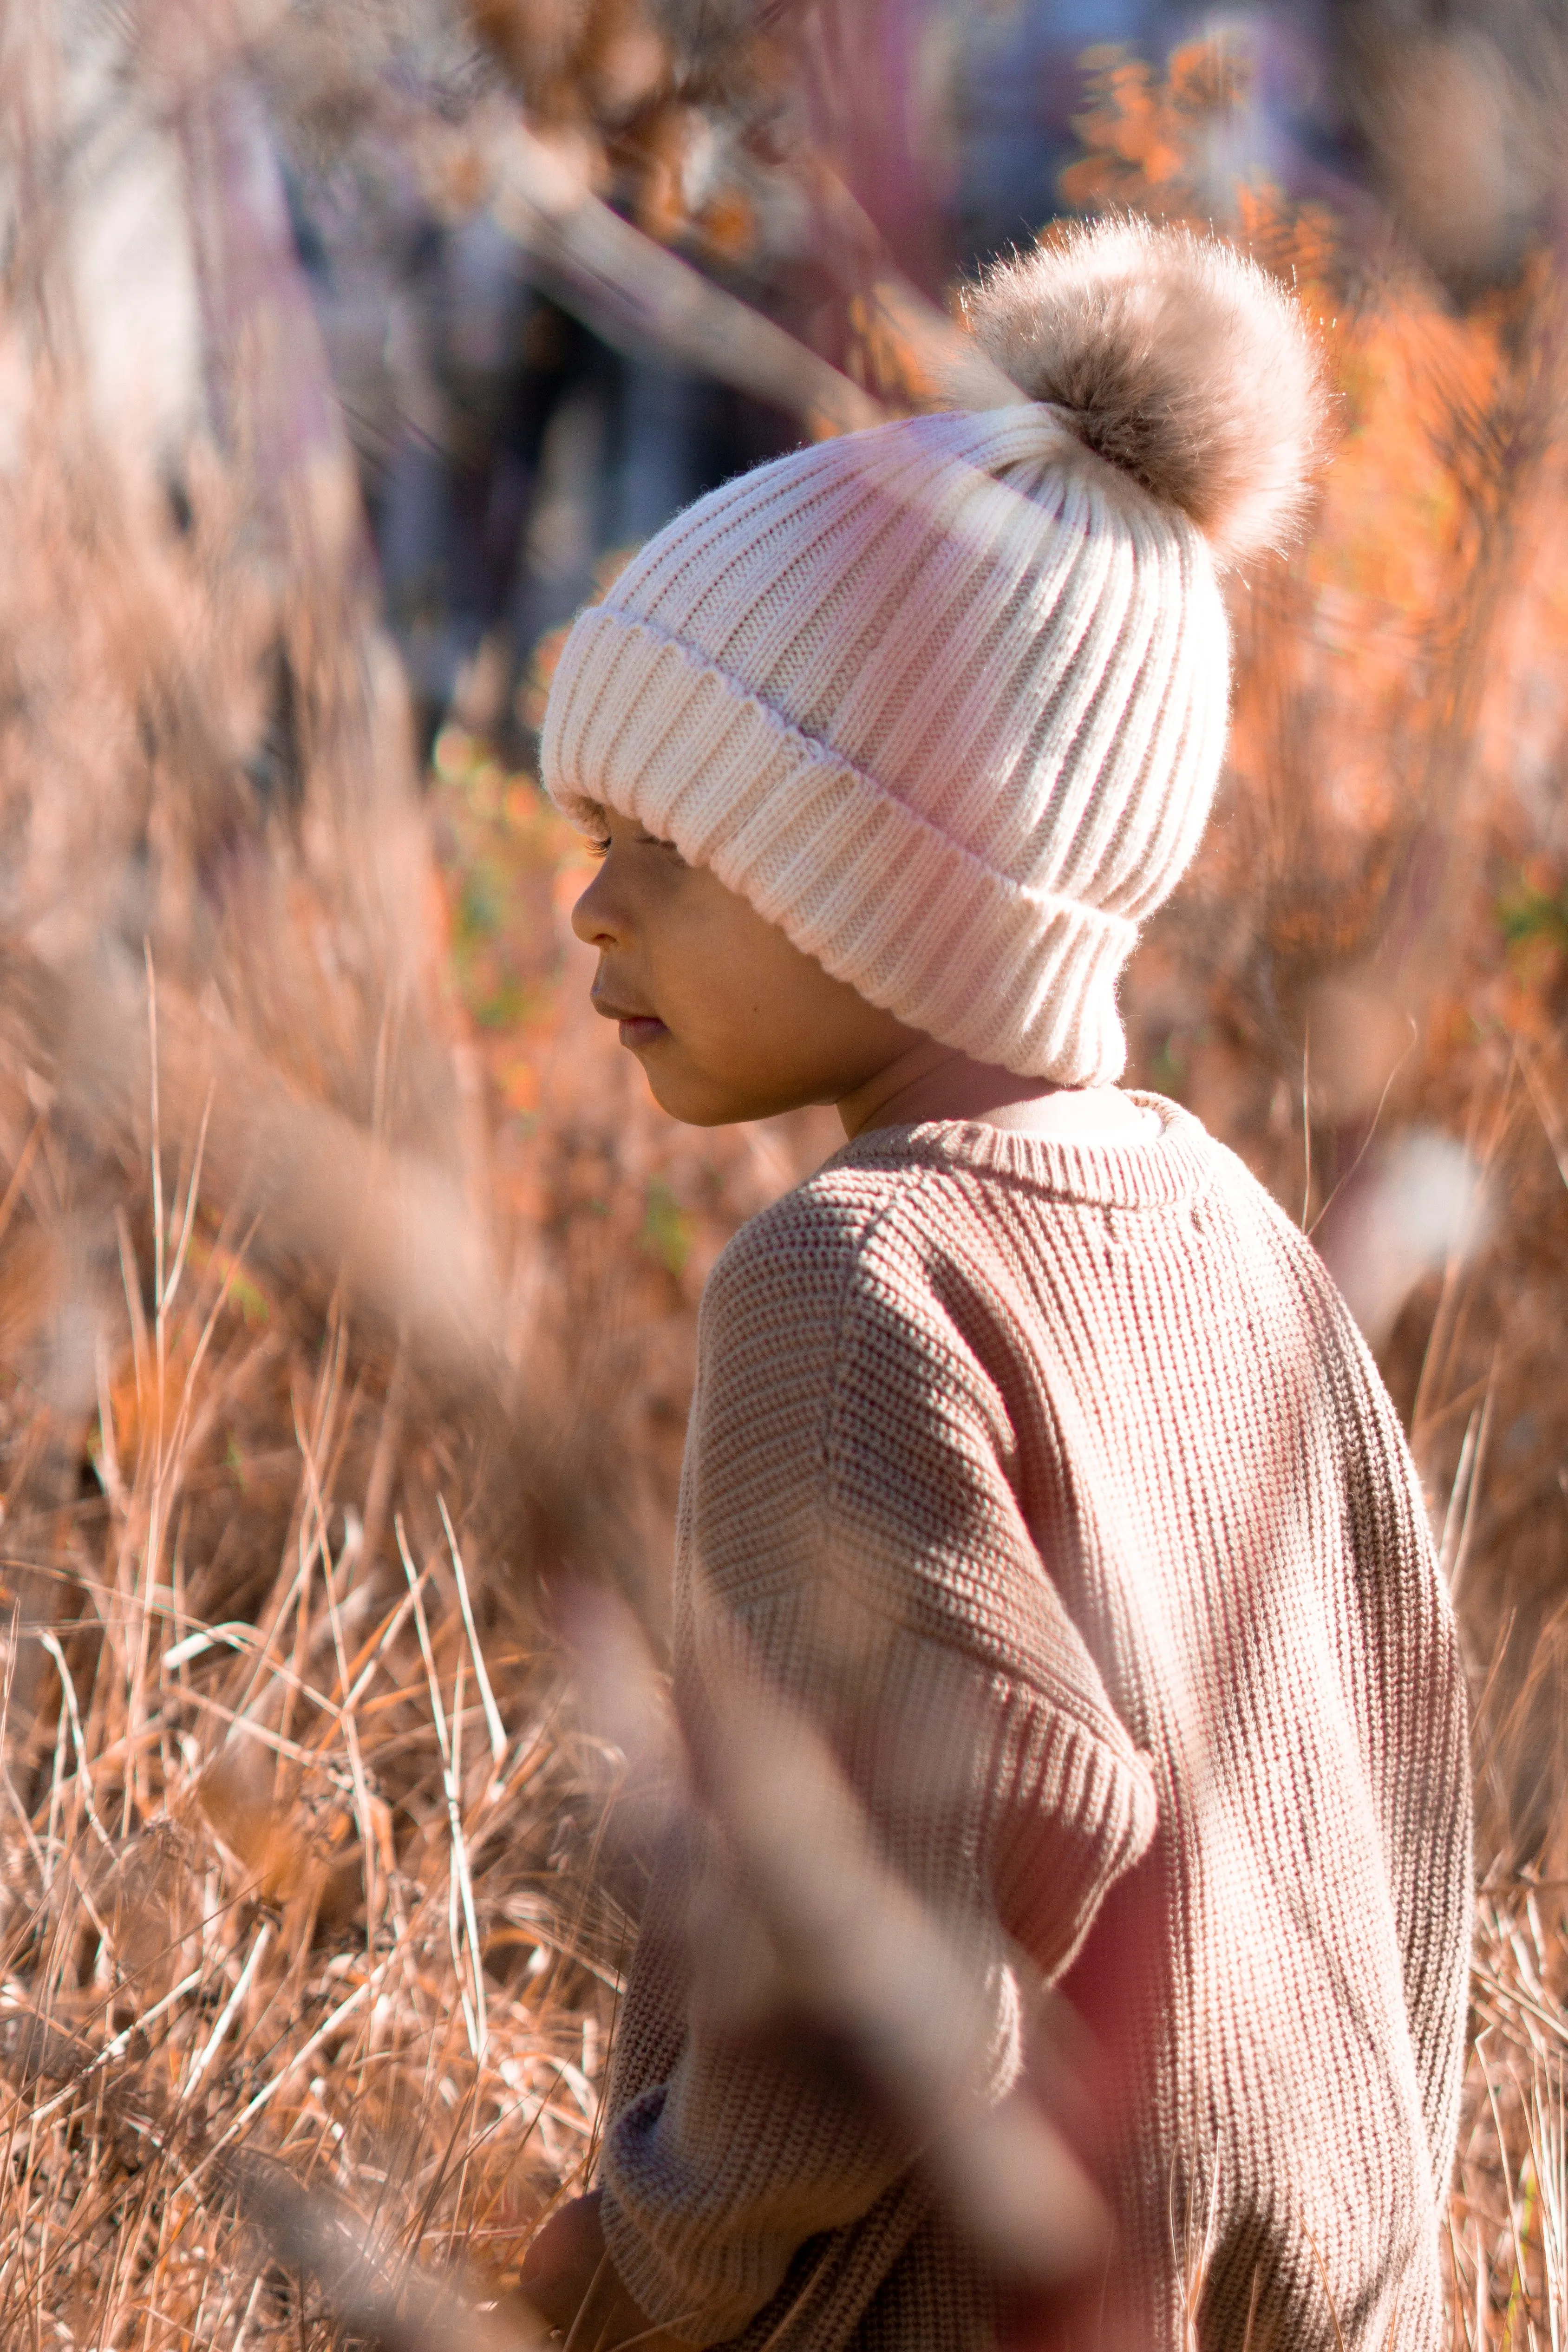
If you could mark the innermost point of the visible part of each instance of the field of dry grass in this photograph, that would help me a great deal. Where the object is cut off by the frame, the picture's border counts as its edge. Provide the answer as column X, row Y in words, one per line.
column 347, row 1291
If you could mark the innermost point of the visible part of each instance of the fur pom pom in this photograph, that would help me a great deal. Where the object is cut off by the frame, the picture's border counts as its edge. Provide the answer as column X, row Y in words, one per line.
column 1175, row 359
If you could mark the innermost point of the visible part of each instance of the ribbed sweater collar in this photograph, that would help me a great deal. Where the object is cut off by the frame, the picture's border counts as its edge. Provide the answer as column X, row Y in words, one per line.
column 1175, row 1165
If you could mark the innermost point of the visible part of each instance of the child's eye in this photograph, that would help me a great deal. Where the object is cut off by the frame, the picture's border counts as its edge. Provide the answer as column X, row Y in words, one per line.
column 595, row 848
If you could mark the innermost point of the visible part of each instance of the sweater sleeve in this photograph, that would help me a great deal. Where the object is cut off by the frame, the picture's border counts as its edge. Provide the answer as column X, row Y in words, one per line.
column 849, row 1525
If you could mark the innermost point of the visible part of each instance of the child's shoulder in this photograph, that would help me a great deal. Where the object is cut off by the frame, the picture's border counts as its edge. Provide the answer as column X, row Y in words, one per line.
column 859, row 1265
column 896, row 1238
column 836, row 1222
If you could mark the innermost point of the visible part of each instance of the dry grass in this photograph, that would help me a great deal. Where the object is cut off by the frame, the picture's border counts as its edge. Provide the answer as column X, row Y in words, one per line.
column 297, row 1837
column 296, row 1856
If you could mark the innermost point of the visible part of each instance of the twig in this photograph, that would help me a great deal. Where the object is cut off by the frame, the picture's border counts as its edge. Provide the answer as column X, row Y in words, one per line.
column 635, row 293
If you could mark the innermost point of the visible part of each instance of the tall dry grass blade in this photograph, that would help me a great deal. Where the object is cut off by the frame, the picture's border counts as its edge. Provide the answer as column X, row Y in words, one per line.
column 492, row 1712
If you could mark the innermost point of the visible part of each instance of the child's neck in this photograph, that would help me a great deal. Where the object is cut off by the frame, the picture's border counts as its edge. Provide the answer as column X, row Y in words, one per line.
column 928, row 1081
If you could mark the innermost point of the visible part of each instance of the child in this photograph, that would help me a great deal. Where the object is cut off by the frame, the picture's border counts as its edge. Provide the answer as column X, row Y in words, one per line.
column 1034, row 1460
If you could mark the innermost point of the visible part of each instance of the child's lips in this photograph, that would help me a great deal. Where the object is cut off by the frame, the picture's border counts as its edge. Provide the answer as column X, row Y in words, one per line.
column 637, row 1028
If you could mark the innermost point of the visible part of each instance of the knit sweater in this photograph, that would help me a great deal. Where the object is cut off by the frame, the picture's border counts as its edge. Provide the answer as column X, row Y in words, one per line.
column 1054, row 1485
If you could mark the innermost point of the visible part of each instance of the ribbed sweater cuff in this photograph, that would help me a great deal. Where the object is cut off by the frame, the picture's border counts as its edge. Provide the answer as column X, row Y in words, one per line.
column 663, row 2291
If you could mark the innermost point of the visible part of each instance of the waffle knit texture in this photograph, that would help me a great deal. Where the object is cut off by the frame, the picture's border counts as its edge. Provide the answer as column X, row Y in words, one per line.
column 946, row 700
column 1055, row 1486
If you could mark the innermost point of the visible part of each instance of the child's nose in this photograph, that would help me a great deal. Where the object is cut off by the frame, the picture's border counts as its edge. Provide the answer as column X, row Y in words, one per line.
column 594, row 918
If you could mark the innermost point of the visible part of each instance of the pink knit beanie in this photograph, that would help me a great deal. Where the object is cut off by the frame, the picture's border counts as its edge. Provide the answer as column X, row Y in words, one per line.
column 947, row 701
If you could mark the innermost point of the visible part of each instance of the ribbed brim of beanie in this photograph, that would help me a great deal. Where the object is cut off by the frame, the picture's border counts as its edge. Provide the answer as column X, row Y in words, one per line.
column 944, row 700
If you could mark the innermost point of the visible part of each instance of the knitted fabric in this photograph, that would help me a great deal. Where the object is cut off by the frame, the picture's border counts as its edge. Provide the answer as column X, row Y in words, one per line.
column 946, row 700
column 1055, row 1485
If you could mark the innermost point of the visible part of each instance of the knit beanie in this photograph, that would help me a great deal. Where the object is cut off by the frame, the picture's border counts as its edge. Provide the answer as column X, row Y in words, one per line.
column 946, row 699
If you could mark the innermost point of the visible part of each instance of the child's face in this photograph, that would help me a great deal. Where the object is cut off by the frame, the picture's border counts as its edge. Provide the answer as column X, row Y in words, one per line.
column 729, row 1019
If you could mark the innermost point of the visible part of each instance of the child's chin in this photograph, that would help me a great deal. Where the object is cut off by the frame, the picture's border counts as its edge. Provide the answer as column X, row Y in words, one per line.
column 696, row 1102
column 697, row 1112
